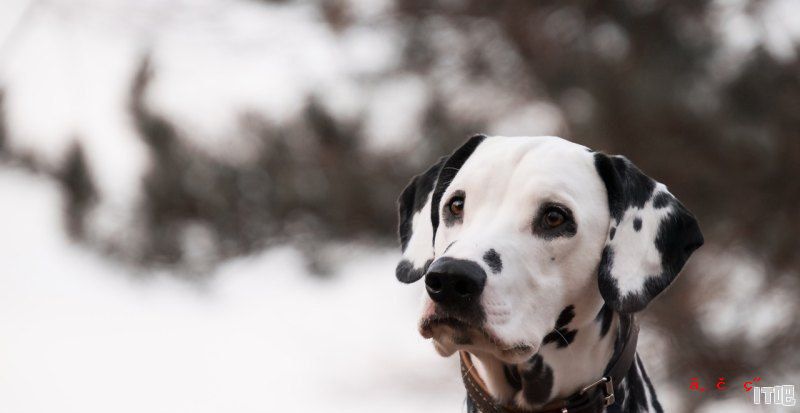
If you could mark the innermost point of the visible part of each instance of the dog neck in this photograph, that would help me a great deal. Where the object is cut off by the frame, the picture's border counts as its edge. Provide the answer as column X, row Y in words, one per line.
column 571, row 357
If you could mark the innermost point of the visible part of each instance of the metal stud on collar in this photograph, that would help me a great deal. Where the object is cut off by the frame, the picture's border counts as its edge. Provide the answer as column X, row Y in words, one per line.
column 608, row 391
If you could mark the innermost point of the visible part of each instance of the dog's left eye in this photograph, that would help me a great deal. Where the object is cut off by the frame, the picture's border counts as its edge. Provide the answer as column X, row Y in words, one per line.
column 553, row 218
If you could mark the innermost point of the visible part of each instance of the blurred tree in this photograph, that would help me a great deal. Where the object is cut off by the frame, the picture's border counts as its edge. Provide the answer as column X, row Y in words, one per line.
column 78, row 189
column 2, row 123
column 308, row 182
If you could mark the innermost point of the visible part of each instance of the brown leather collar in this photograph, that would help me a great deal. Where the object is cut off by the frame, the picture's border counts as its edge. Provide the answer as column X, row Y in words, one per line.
column 593, row 398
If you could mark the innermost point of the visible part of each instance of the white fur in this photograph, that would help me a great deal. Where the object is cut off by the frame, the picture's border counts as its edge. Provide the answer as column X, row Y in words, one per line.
column 420, row 248
column 505, row 181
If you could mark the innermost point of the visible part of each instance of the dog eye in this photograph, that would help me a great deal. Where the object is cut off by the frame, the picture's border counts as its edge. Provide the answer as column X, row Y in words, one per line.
column 553, row 221
column 456, row 206
column 553, row 218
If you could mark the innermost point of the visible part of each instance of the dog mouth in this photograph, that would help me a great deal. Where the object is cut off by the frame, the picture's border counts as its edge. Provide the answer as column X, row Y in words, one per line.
column 428, row 324
column 451, row 333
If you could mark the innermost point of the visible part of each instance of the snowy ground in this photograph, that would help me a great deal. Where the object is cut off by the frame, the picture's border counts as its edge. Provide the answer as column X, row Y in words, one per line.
column 79, row 333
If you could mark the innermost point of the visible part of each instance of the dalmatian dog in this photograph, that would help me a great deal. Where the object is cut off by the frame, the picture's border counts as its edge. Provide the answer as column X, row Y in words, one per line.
column 533, row 252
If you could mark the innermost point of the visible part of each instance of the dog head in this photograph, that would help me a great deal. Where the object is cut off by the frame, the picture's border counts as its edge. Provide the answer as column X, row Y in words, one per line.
column 511, row 234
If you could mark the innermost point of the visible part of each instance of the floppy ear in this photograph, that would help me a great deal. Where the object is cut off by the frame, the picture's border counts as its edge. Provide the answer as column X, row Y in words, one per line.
column 650, row 237
column 418, row 222
column 415, row 229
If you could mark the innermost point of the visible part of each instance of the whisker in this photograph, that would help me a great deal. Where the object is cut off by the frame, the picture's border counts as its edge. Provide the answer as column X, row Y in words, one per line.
column 569, row 348
column 562, row 336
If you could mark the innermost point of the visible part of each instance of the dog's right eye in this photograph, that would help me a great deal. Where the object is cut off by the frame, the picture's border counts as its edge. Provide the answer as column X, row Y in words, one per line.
column 553, row 218
column 456, row 206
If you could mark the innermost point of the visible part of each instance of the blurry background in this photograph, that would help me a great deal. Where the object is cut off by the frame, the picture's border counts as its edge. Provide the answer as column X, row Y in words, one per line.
column 197, row 197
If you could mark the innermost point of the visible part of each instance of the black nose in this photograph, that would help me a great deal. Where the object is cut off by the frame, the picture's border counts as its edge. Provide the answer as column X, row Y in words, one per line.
column 451, row 281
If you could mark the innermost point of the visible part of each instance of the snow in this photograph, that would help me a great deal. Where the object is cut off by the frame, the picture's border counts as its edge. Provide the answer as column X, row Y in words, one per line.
column 80, row 333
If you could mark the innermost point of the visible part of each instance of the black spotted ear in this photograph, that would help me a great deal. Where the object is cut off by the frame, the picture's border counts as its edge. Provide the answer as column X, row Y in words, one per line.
column 415, row 230
column 418, row 222
column 650, row 237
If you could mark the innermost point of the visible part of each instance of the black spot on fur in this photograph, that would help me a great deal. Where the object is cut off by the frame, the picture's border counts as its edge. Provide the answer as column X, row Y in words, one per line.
column 448, row 173
column 537, row 380
column 512, row 376
column 654, row 399
column 605, row 317
column 492, row 259
column 406, row 273
column 561, row 335
column 637, row 224
column 612, row 233
column 607, row 283
column 627, row 186
column 661, row 200
column 566, row 316
column 413, row 199
column 636, row 400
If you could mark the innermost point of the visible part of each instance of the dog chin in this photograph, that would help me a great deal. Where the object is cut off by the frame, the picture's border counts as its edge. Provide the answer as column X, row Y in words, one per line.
column 516, row 355
column 447, row 340
column 445, row 347
column 444, row 350
column 447, row 343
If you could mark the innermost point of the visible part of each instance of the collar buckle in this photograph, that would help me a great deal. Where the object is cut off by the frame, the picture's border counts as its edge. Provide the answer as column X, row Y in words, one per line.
column 608, row 390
